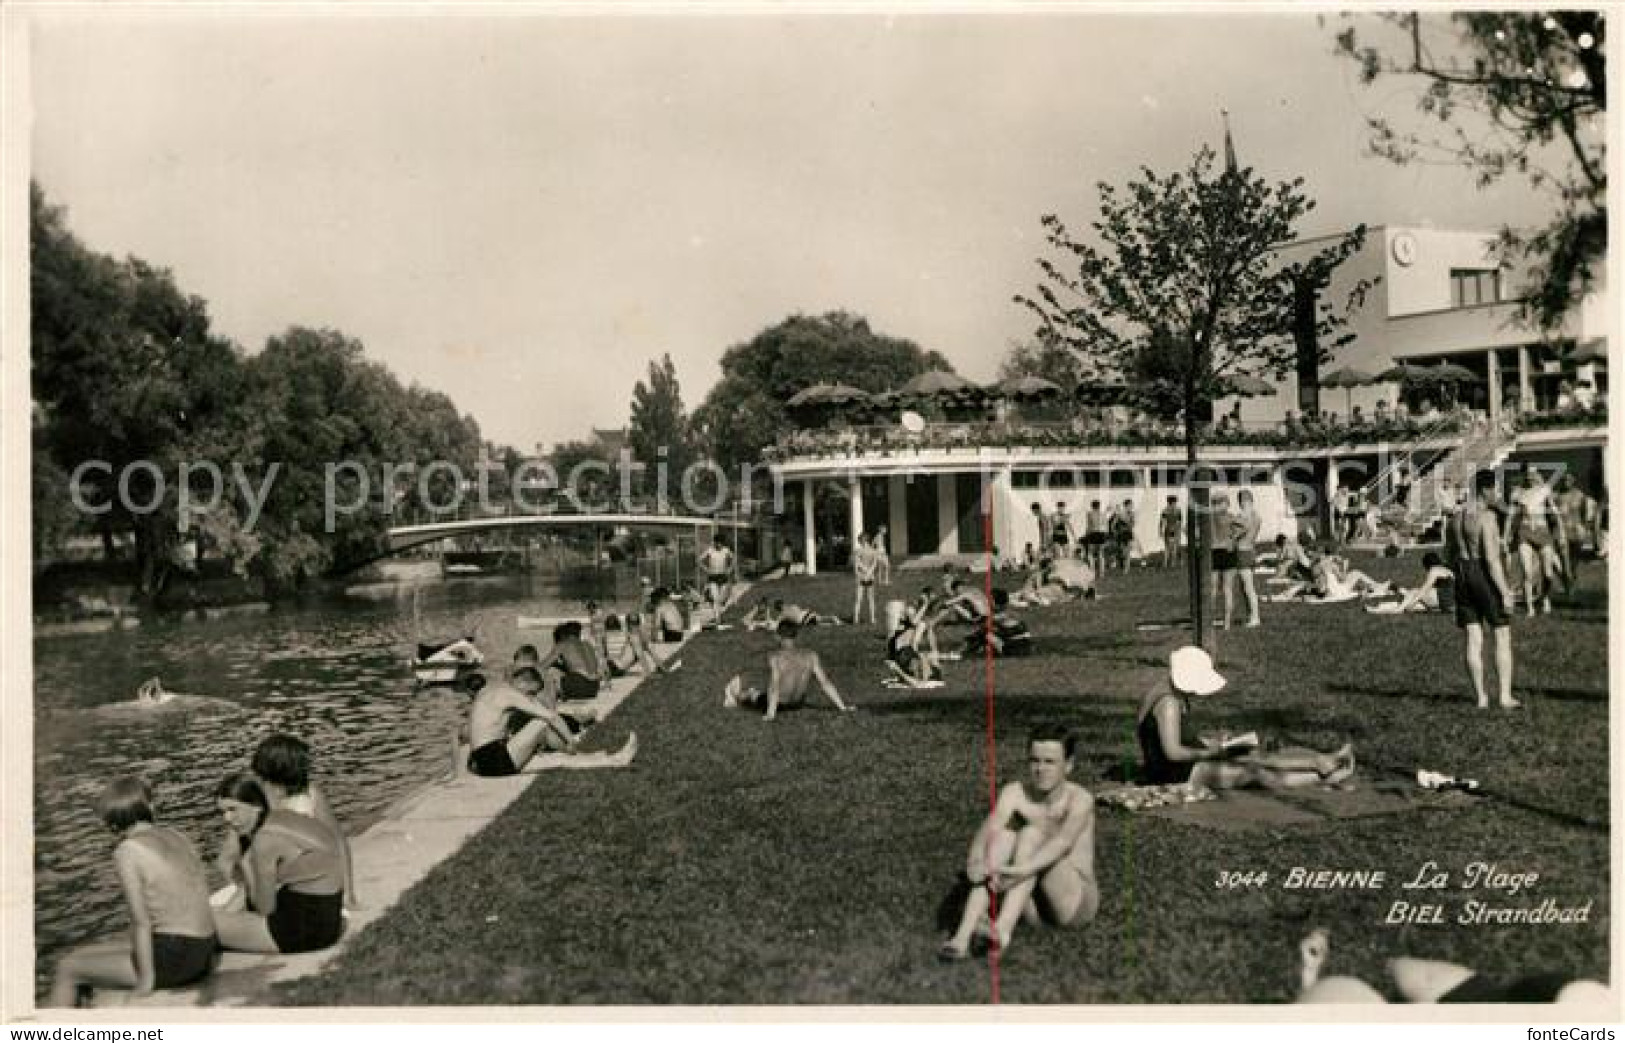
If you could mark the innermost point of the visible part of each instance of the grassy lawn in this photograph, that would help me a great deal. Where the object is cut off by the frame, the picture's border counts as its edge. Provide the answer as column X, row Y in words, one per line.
column 803, row 861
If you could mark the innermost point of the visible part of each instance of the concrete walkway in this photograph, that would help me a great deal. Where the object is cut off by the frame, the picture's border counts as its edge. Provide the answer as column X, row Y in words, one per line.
column 414, row 836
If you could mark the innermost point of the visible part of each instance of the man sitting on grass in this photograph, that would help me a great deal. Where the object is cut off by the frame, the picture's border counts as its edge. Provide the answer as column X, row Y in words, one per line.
column 571, row 669
column 792, row 671
column 546, row 741
column 911, row 650
column 1036, row 851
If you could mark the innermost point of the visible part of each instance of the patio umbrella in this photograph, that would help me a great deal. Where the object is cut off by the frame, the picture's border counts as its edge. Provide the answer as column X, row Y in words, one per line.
column 1247, row 385
column 1102, row 392
column 938, row 382
column 1450, row 373
column 1028, row 388
column 1593, row 350
column 1403, row 373
column 1348, row 378
column 828, row 395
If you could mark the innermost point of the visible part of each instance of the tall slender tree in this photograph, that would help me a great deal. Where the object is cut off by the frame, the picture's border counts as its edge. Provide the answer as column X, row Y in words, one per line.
column 659, row 430
column 1195, row 269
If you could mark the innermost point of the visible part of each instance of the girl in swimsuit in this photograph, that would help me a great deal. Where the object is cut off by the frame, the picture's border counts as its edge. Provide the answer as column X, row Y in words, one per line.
column 1169, row 756
column 171, row 941
column 289, row 867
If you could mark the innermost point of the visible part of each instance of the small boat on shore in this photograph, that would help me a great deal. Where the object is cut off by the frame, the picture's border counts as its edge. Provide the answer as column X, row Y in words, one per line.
column 447, row 663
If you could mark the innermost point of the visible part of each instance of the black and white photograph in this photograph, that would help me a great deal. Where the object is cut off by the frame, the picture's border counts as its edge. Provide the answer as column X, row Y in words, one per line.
column 807, row 508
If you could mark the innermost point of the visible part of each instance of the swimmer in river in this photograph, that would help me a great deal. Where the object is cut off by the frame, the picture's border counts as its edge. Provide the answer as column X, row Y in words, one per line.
column 153, row 693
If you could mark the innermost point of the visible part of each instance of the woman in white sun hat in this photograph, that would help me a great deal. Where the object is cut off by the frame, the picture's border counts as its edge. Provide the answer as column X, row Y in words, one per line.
column 1168, row 756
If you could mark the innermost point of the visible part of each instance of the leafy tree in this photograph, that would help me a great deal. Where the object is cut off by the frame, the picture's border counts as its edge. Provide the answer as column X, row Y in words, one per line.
column 658, row 433
column 745, row 411
column 1189, row 281
column 1519, row 93
column 125, row 371
column 1047, row 361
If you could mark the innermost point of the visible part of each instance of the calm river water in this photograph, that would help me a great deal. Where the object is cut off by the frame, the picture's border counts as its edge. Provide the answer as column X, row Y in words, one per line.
column 333, row 673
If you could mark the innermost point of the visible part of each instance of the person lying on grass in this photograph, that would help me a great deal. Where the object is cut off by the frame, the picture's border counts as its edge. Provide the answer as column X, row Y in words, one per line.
column 791, row 672
column 546, row 741
column 911, row 650
column 171, row 940
column 1007, row 635
column 1332, row 578
column 1436, row 594
column 1035, row 852
column 1168, row 756
column 1435, row 981
column 767, row 616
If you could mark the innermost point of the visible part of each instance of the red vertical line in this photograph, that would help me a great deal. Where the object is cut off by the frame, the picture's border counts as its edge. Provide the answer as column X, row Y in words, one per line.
column 991, row 747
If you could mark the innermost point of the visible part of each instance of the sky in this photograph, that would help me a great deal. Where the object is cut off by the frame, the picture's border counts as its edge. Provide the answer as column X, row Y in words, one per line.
column 523, row 209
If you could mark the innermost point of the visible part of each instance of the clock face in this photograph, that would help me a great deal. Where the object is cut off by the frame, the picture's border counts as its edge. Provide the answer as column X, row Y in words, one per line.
column 1404, row 248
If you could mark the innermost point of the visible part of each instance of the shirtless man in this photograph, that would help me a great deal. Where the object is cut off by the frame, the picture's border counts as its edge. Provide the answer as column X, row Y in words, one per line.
column 1576, row 510
column 865, row 569
column 1172, row 525
column 792, row 672
column 572, row 669
column 545, row 741
column 965, row 604
column 1036, row 851
column 1534, row 533
column 1473, row 554
column 718, row 563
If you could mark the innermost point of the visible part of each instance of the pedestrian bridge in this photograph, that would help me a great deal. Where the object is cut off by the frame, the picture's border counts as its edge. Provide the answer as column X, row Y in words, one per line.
column 404, row 537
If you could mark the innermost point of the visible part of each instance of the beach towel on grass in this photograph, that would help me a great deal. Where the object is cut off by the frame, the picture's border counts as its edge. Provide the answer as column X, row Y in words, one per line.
column 1244, row 811
column 1132, row 797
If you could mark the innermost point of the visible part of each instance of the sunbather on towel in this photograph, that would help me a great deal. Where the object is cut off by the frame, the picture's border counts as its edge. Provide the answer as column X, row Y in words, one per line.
column 767, row 616
column 792, row 671
column 1436, row 594
column 1435, row 981
column 1332, row 578
column 1036, row 851
column 1169, row 756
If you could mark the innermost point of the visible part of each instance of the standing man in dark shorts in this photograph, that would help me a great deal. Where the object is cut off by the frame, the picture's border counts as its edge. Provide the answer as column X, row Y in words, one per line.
column 1094, row 537
column 1061, row 536
column 718, row 563
column 1473, row 552
column 1045, row 530
column 1173, row 525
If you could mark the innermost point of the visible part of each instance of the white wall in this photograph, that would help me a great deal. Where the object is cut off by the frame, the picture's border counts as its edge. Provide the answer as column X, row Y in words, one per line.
column 1424, row 285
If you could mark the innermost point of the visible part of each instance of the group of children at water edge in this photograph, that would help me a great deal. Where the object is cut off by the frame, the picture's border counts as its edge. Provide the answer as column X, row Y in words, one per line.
column 283, row 858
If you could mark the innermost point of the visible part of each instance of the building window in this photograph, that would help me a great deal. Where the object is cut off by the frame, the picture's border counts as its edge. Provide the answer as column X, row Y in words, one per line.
column 1470, row 286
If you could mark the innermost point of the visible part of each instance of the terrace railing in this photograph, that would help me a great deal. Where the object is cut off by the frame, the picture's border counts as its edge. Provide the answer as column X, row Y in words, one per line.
column 1130, row 434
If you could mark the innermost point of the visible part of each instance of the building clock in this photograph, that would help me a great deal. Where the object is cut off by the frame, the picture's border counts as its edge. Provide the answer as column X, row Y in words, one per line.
column 1404, row 249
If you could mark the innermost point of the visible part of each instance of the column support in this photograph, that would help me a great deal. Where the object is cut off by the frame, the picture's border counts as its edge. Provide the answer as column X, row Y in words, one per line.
column 809, row 536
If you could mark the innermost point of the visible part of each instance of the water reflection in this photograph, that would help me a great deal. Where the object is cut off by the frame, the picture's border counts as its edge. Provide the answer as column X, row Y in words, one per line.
column 333, row 673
